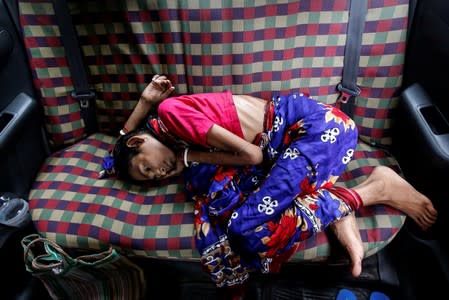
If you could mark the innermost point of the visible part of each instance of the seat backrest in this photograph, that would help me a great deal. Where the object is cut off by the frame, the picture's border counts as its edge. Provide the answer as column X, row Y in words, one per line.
column 260, row 49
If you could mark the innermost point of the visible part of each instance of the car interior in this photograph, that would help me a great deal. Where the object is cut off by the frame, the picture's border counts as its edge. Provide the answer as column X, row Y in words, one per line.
column 72, row 71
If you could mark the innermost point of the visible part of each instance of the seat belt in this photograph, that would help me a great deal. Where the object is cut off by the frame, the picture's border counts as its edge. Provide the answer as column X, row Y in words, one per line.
column 348, row 86
column 411, row 16
column 82, row 91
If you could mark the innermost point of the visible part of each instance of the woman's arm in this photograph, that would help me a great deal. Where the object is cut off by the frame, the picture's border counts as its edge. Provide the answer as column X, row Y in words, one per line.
column 155, row 92
column 236, row 151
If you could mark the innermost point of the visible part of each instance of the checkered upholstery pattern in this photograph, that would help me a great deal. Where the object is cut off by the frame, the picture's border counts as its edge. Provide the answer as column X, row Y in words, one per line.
column 74, row 208
column 260, row 50
column 263, row 49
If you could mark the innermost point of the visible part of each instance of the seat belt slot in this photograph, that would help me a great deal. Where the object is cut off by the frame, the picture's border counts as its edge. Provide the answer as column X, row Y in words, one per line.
column 84, row 97
column 347, row 94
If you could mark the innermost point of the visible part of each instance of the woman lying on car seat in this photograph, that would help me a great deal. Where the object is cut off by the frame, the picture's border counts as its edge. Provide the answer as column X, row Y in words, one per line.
column 261, row 174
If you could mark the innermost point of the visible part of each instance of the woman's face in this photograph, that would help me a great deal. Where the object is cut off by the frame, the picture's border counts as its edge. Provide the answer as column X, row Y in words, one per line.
column 155, row 160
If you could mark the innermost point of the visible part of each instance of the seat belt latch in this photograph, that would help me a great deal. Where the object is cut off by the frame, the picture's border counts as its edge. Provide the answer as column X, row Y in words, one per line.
column 83, row 97
column 346, row 94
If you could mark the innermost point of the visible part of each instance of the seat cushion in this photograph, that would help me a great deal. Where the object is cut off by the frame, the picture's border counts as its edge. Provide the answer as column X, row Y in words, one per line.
column 70, row 205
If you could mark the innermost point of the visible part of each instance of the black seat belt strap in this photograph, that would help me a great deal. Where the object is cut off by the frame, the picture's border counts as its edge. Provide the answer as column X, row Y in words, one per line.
column 82, row 91
column 411, row 15
column 348, row 86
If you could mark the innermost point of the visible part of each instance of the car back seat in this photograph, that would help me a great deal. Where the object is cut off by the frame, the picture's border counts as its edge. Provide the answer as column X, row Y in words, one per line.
column 262, row 49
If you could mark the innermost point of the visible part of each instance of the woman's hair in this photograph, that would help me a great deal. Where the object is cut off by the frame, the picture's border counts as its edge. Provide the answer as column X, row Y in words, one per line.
column 123, row 154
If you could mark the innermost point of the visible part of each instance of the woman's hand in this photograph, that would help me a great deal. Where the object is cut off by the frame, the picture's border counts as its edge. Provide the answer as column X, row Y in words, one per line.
column 157, row 90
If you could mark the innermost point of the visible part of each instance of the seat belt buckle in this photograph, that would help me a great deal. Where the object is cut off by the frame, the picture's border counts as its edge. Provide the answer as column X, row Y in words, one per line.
column 83, row 97
column 346, row 94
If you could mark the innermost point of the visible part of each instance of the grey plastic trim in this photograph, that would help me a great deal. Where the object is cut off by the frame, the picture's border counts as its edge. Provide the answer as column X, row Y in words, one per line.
column 6, row 45
column 18, row 114
column 415, row 100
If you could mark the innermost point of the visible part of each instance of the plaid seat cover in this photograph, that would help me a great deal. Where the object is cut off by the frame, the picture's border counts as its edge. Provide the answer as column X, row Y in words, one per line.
column 71, row 206
column 203, row 46
column 210, row 46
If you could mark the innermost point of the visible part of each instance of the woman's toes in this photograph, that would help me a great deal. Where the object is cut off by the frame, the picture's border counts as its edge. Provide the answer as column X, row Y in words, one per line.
column 356, row 267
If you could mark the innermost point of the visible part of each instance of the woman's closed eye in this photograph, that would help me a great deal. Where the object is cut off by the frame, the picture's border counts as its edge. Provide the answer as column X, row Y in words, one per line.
column 146, row 172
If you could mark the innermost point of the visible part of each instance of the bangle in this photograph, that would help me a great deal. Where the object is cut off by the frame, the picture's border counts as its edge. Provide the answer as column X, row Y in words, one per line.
column 124, row 130
column 186, row 163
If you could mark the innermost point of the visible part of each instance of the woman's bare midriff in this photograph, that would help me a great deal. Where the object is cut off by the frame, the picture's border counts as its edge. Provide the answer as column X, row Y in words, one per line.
column 251, row 113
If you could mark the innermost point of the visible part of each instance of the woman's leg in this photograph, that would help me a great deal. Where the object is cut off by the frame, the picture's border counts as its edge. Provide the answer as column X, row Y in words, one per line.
column 348, row 235
column 295, row 200
column 383, row 186
column 310, row 145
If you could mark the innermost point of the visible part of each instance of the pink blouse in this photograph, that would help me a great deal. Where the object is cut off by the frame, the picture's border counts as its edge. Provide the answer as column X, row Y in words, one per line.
column 190, row 117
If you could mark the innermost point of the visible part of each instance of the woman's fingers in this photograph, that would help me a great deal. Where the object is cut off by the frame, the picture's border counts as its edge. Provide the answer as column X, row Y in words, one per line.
column 168, row 91
column 162, row 83
column 159, row 77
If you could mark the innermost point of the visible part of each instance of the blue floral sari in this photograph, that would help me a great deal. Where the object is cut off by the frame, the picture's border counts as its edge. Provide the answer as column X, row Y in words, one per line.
column 254, row 217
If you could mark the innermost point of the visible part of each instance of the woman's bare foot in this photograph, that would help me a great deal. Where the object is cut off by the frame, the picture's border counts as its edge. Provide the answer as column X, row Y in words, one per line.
column 348, row 234
column 385, row 186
